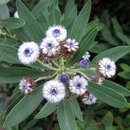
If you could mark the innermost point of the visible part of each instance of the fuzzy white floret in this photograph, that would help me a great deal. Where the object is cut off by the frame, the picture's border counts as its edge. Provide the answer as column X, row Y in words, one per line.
column 25, row 89
column 89, row 99
column 33, row 48
column 16, row 15
column 86, row 56
column 107, row 67
column 71, row 45
column 47, row 49
column 74, row 82
column 60, row 35
column 59, row 89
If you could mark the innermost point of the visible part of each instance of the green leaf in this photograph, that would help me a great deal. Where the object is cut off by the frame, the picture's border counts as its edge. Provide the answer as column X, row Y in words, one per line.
column 30, row 124
column 123, row 38
column 76, row 109
column 100, row 48
column 107, row 36
column 65, row 116
column 116, row 25
column 81, row 21
column 116, row 87
column 24, row 108
column 2, row 2
column 87, row 43
column 69, row 15
column 89, row 72
column 42, row 6
column 108, row 121
column 54, row 13
column 4, row 12
column 8, row 54
column 9, row 42
column 46, row 110
column 92, row 126
column 114, row 53
column 107, row 95
column 14, row 74
column 40, row 11
column 125, row 67
column 124, row 74
column 119, row 32
column 32, row 28
column 12, row 23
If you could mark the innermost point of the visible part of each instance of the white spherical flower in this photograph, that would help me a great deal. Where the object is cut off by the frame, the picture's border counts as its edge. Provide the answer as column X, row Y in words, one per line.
column 107, row 67
column 86, row 56
column 71, row 45
column 28, row 52
column 77, row 85
column 54, row 91
column 58, row 32
column 89, row 99
column 50, row 46
column 26, row 86
column 16, row 15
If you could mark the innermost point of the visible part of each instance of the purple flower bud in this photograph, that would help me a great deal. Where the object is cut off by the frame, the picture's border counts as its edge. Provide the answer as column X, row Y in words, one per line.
column 64, row 78
column 84, row 63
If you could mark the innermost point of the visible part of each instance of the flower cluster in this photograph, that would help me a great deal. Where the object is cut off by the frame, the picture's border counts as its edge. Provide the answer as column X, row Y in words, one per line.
column 53, row 53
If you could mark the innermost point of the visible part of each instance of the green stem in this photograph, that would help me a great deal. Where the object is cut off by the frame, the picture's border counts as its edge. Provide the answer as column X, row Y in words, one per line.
column 47, row 66
column 53, row 61
column 45, row 78
column 62, row 63
column 85, row 76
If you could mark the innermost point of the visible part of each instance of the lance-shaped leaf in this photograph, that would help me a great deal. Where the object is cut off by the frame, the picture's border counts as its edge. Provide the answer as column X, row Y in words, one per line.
column 108, row 95
column 81, row 21
column 119, row 31
column 114, row 53
column 75, row 106
column 9, row 42
column 46, row 110
column 8, row 54
column 14, row 74
column 87, row 42
column 70, row 14
column 23, row 108
column 116, row 87
column 32, row 28
column 12, row 23
column 66, row 117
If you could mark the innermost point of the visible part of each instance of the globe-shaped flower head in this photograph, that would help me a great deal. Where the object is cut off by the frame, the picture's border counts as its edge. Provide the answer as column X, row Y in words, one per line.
column 58, row 32
column 107, row 67
column 28, row 52
column 54, row 91
column 77, row 85
column 50, row 46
